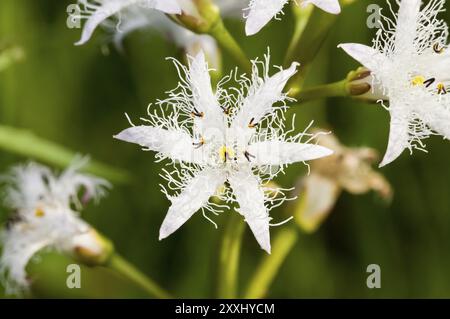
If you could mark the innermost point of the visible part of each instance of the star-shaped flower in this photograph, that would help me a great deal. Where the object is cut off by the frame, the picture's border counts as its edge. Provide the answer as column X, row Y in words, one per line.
column 43, row 218
column 140, row 15
column 97, row 12
column 233, row 136
column 410, row 63
column 262, row 11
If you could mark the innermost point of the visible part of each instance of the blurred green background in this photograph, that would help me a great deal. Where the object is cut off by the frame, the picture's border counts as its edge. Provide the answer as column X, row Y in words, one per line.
column 77, row 96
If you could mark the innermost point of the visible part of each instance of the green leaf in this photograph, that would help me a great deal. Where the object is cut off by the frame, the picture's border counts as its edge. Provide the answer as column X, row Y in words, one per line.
column 25, row 143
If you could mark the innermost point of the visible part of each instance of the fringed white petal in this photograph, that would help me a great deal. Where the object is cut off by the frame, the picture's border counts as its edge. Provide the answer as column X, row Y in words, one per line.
column 109, row 8
column 437, row 117
column 55, row 229
column 27, row 185
column 406, row 28
column 204, row 99
column 250, row 197
column 194, row 196
column 330, row 6
column 282, row 153
column 261, row 12
column 67, row 186
column 17, row 251
column 367, row 56
column 174, row 144
column 398, row 135
column 263, row 95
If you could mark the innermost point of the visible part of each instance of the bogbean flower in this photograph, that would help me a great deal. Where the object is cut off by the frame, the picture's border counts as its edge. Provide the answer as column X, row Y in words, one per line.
column 149, row 14
column 97, row 12
column 348, row 169
column 234, row 137
column 43, row 217
column 262, row 11
column 410, row 64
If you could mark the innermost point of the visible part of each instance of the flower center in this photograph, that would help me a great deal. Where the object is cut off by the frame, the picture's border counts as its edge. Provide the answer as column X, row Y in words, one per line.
column 226, row 153
column 39, row 213
column 420, row 80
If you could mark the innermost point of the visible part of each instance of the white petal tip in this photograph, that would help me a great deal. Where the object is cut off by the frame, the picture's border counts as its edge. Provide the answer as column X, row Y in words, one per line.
column 162, row 235
column 250, row 31
column 384, row 163
column 253, row 26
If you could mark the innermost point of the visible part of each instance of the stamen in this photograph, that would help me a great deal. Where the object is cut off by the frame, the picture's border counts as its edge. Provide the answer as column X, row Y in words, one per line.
column 248, row 156
column 197, row 113
column 251, row 124
column 418, row 80
column 437, row 48
column 199, row 143
column 39, row 213
column 429, row 82
column 226, row 111
column 226, row 153
column 441, row 88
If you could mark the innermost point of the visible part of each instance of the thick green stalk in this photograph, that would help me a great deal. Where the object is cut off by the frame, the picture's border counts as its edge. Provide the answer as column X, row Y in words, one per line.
column 267, row 270
column 209, row 21
column 312, row 28
column 229, row 255
column 229, row 44
column 337, row 89
column 302, row 15
column 128, row 271
column 308, row 45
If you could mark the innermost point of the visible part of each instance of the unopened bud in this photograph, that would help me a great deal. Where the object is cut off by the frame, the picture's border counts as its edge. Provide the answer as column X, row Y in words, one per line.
column 205, row 16
column 91, row 248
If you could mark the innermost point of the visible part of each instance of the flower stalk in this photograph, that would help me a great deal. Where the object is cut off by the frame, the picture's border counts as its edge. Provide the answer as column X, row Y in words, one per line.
column 267, row 270
column 128, row 271
column 310, row 39
column 357, row 84
column 208, row 21
column 229, row 254
column 229, row 44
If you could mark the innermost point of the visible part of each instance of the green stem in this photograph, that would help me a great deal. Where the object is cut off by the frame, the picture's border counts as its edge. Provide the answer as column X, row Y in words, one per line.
column 302, row 15
column 229, row 44
column 307, row 46
column 229, row 255
column 336, row 89
column 128, row 271
column 282, row 245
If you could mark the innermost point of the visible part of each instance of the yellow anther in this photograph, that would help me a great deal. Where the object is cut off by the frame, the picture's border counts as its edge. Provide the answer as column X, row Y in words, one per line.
column 39, row 213
column 441, row 88
column 226, row 153
column 418, row 80
column 437, row 48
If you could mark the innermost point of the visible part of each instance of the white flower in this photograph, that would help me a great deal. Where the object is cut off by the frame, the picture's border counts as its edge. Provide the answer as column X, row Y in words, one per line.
column 43, row 218
column 234, row 137
column 262, row 11
column 410, row 63
column 137, row 15
column 97, row 12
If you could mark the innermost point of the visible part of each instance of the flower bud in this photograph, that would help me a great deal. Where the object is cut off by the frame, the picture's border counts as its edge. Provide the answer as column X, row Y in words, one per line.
column 201, row 18
column 360, row 83
column 91, row 248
